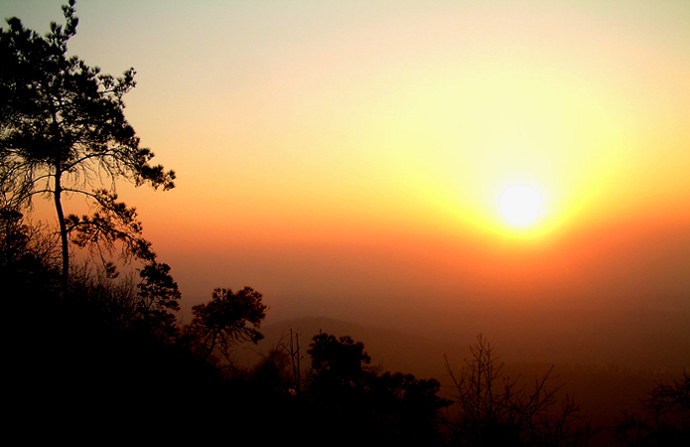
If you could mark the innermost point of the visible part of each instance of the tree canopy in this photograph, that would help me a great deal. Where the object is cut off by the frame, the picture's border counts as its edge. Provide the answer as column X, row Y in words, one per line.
column 63, row 131
column 228, row 318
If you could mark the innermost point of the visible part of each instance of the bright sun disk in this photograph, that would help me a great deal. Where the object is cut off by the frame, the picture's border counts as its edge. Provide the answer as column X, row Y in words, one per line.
column 521, row 205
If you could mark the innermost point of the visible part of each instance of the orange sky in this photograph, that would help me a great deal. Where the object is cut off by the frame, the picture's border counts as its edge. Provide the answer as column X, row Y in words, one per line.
column 351, row 154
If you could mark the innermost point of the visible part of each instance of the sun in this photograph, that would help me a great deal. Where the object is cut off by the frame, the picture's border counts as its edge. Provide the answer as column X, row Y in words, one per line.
column 521, row 205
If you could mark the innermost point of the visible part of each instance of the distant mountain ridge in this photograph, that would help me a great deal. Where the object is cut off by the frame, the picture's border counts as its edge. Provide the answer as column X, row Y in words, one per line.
column 631, row 339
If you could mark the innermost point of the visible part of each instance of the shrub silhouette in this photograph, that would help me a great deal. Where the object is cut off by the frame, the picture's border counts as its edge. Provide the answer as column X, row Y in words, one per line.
column 494, row 409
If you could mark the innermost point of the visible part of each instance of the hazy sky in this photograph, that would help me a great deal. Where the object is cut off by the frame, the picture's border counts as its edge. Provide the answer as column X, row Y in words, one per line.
column 347, row 156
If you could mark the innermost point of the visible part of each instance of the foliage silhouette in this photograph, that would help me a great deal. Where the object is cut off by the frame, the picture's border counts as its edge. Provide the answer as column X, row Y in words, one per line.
column 62, row 130
column 229, row 317
column 158, row 296
column 495, row 410
column 342, row 360
column 666, row 418
column 29, row 269
column 355, row 401
column 23, row 248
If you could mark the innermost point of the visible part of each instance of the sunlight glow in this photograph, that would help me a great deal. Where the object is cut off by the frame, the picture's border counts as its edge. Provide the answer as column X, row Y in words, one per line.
column 521, row 205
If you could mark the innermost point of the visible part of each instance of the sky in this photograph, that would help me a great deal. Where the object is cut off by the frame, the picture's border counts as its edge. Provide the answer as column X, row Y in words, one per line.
column 348, row 158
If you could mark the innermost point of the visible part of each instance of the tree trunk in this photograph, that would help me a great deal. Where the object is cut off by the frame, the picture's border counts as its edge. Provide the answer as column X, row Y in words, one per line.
column 57, row 195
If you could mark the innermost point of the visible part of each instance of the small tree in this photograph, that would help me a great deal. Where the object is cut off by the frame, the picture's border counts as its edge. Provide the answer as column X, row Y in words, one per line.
column 63, row 130
column 494, row 409
column 158, row 295
column 229, row 317
column 341, row 359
